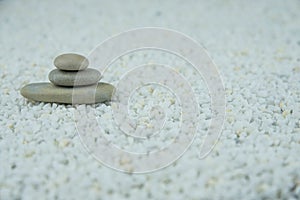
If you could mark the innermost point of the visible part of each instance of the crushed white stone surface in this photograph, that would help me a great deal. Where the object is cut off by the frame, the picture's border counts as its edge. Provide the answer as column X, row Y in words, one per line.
column 256, row 46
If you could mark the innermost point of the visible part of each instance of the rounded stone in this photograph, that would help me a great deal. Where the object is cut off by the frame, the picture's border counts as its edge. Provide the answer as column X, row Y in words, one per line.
column 71, row 62
column 47, row 92
column 75, row 78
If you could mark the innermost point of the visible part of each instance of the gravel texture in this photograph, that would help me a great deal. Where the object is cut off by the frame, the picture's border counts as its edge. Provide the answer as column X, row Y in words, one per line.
column 256, row 46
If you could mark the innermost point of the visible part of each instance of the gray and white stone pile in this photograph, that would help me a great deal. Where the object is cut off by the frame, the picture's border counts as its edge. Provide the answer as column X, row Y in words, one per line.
column 72, row 82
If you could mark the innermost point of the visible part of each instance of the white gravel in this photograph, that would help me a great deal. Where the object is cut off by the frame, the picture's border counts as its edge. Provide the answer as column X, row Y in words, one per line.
column 256, row 46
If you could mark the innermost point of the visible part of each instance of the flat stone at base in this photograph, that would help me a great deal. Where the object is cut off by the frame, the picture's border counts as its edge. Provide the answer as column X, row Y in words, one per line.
column 47, row 92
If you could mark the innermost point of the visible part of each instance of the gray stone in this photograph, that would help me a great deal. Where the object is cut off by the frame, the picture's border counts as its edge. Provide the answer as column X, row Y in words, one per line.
column 71, row 62
column 74, row 78
column 48, row 92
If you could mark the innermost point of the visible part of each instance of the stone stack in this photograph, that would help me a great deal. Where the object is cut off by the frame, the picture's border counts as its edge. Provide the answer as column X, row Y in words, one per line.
column 72, row 82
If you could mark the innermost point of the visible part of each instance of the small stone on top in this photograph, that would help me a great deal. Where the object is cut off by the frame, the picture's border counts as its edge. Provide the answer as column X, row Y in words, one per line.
column 71, row 62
